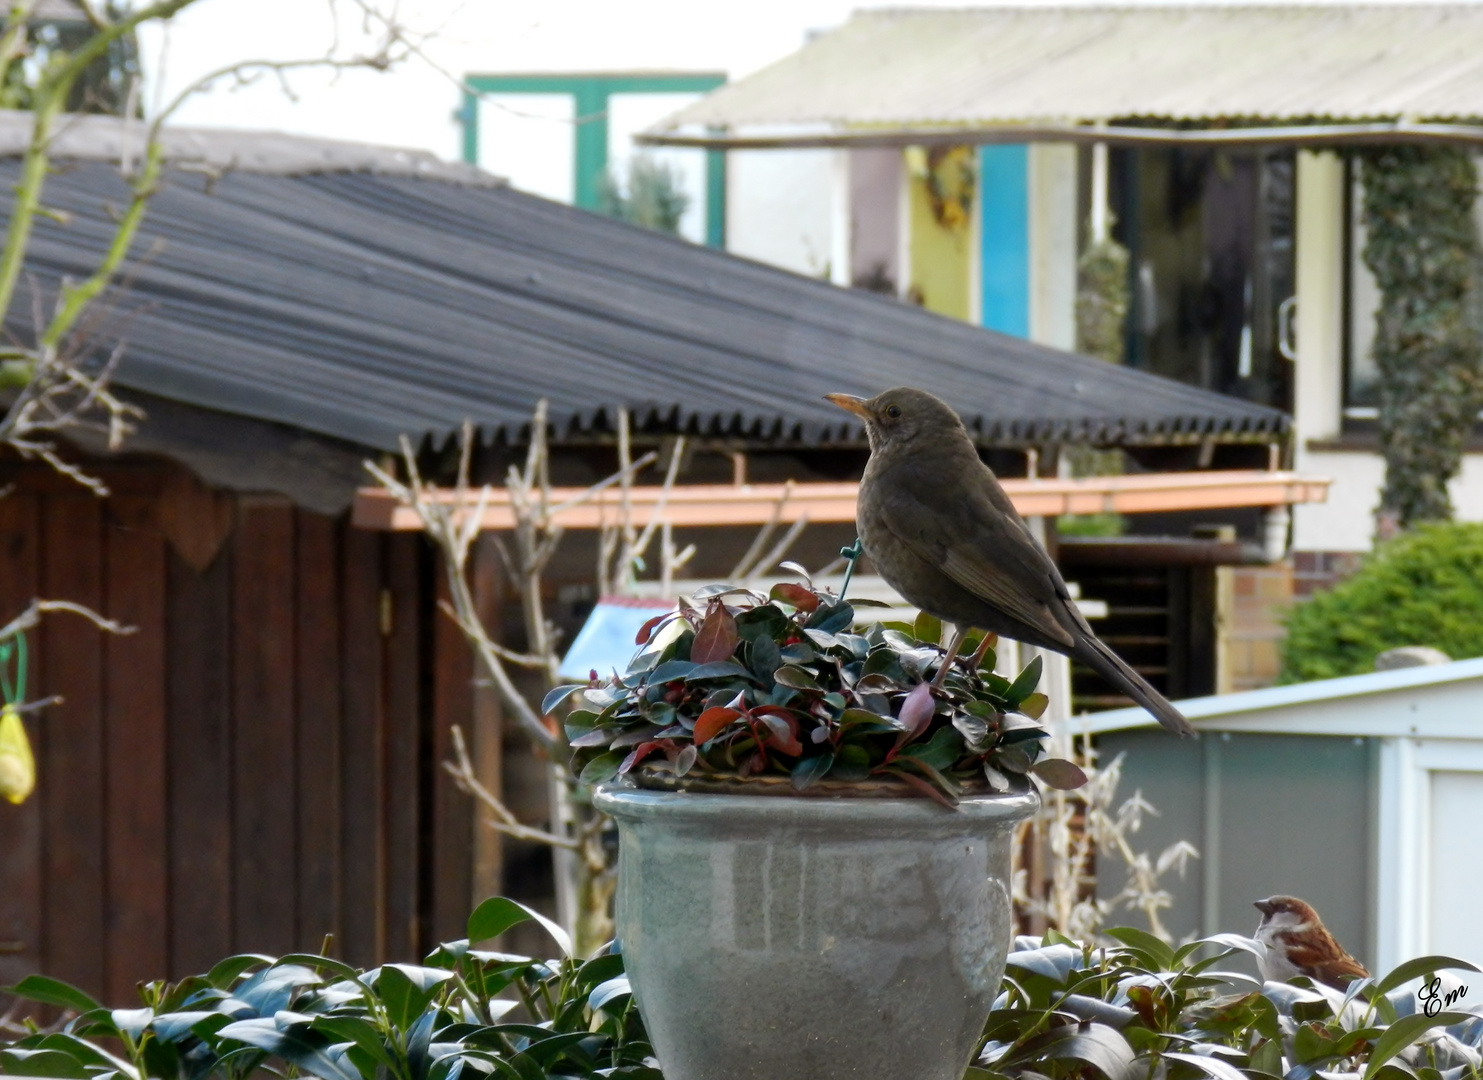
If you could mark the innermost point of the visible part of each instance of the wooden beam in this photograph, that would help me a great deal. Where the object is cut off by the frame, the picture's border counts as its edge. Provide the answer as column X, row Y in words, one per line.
column 754, row 504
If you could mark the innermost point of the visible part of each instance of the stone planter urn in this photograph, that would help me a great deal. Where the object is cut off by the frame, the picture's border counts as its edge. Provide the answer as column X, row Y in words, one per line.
column 784, row 938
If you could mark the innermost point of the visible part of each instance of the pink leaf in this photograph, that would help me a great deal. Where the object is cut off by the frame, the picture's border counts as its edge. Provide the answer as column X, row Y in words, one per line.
column 640, row 752
column 917, row 709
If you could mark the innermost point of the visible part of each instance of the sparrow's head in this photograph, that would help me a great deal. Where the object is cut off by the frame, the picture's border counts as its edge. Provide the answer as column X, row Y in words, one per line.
column 1285, row 911
column 903, row 417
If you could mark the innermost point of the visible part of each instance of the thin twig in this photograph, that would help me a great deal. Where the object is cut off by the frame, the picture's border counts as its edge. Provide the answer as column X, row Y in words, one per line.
column 31, row 618
column 748, row 562
column 461, row 768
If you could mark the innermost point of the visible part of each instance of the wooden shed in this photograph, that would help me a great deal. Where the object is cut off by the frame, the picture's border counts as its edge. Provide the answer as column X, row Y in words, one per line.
column 258, row 765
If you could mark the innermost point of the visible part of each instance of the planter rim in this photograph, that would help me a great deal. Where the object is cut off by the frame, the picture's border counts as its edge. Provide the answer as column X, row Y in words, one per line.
column 918, row 814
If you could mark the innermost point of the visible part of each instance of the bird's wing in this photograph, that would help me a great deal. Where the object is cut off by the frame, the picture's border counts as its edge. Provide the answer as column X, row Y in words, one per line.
column 980, row 542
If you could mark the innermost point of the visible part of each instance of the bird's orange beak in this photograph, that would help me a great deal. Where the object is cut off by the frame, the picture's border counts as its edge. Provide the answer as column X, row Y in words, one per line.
column 848, row 402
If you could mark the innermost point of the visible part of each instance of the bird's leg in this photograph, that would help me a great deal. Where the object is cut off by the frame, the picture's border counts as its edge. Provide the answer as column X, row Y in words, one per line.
column 989, row 641
column 959, row 633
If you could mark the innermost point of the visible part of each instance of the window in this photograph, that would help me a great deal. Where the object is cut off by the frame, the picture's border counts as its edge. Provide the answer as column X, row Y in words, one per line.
column 1210, row 242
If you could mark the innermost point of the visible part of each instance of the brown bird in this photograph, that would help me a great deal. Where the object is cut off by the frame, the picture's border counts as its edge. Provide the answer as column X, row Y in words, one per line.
column 943, row 534
column 1297, row 943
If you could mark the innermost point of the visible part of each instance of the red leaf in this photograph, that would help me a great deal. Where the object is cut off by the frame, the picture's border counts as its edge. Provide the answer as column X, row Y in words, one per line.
column 717, row 638
column 782, row 732
column 925, row 787
column 640, row 752
column 712, row 722
column 647, row 630
column 917, row 709
column 803, row 599
column 1060, row 773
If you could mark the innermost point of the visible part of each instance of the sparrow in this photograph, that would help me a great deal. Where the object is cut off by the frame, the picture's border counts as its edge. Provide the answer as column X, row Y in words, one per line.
column 1297, row 943
column 944, row 535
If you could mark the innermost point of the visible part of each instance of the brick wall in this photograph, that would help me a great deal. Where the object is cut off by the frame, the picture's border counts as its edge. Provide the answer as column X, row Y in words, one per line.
column 1251, row 604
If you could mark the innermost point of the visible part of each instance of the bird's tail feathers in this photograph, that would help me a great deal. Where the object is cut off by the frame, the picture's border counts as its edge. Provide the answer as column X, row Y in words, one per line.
column 1112, row 667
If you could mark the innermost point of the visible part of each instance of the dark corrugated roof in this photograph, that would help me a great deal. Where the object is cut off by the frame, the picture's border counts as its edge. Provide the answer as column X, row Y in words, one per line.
column 364, row 306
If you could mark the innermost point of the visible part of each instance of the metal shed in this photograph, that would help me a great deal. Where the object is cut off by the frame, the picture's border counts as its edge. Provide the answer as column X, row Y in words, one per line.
column 1363, row 795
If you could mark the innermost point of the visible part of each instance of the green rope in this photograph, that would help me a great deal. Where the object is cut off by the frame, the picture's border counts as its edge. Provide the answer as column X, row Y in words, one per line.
column 852, row 555
column 14, row 694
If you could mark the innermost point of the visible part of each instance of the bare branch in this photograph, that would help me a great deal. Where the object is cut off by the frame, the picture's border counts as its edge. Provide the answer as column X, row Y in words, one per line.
column 31, row 618
column 743, row 569
column 461, row 768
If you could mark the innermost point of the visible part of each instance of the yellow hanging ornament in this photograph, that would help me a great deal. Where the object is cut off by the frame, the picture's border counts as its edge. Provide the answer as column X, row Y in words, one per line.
column 17, row 765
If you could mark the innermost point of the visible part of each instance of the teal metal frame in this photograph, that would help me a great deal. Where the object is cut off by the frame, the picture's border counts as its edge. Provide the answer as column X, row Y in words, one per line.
column 590, row 94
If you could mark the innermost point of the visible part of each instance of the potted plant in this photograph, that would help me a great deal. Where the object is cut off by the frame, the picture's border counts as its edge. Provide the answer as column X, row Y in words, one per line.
column 858, row 929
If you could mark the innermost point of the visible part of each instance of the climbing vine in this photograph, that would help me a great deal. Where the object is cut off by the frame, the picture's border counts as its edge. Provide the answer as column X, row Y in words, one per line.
column 1422, row 247
column 1102, row 300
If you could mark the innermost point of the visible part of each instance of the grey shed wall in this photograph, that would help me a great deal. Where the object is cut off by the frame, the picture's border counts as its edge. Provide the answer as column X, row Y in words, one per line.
column 1269, row 814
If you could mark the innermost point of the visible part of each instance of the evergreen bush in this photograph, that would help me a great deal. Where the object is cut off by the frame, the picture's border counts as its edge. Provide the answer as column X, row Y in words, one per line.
column 1425, row 587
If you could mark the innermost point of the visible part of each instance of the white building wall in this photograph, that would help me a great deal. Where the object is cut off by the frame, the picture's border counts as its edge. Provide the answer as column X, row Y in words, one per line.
column 780, row 208
column 1346, row 521
column 1051, row 192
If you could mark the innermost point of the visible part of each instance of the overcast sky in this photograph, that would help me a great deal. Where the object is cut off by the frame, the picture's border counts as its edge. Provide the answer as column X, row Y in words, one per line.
column 413, row 105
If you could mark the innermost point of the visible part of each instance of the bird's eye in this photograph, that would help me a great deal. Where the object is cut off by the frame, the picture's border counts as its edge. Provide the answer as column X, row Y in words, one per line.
column 893, row 411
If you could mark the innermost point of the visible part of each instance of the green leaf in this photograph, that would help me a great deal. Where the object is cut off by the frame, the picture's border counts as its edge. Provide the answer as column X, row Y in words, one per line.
column 1422, row 965
column 601, row 768
column 497, row 914
column 941, row 751
column 927, row 629
column 406, row 990
column 359, row 1031
column 765, row 658
column 494, row 916
column 227, row 971
column 1209, row 1064
column 1407, row 1030
column 558, row 694
column 1267, row 1057
column 49, row 1063
column 320, row 963
column 810, row 769
column 1157, row 954
column 796, row 678
column 53, row 992
column 1034, row 705
column 1096, row 1044
column 1024, row 683
column 722, row 669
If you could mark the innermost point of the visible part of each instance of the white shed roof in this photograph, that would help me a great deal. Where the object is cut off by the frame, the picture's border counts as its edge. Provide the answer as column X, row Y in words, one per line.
column 1442, row 701
column 978, row 67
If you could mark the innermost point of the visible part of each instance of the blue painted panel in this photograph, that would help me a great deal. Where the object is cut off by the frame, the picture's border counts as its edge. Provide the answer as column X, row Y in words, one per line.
column 1005, row 251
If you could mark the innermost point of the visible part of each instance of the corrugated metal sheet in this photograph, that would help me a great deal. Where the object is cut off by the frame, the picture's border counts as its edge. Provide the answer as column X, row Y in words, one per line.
column 105, row 138
column 994, row 66
column 365, row 306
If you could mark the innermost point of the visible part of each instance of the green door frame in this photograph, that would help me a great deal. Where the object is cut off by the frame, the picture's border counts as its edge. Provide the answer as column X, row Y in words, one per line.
column 590, row 93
